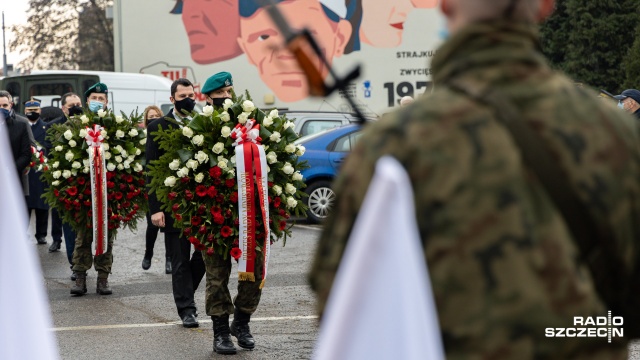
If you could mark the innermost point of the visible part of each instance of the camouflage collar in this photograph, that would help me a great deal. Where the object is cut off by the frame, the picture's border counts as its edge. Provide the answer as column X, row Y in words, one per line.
column 486, row 45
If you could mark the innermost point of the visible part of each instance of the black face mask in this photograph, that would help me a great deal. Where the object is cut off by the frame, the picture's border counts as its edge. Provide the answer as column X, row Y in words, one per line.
column 186, row 104
column 32, row 115
column 219, row 101
column 75, row 110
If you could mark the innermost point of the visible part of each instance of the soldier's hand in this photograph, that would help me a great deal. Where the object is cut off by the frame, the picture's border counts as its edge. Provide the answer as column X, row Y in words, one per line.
column 157, row 219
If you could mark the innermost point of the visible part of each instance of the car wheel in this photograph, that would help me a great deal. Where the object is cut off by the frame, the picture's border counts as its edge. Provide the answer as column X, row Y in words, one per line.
column 320, row 200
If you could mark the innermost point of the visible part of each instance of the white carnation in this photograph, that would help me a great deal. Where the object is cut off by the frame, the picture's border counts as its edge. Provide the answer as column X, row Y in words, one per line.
column 127, row 164
column 199, row 177
column 119, row 134
column 186, row 131
column 218, row 148
column 198, row 140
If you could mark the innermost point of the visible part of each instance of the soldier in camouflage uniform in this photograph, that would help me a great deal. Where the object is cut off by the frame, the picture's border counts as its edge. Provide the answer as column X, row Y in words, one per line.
column 503, row 264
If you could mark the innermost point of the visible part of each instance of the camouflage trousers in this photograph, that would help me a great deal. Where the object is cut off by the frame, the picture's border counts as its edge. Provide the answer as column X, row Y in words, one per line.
column 83, row 256
column 218, row 298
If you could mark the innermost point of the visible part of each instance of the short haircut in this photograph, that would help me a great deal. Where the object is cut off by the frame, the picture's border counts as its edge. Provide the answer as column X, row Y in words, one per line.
column 146, row 114
column 4, row 93
column 63, row 99
column 181, row 81
column 513, row 10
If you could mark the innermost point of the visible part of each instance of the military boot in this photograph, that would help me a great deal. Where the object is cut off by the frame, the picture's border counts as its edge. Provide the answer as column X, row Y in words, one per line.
column 240, row 329
column 222, row 343
column 80, row 287
column 102, row 287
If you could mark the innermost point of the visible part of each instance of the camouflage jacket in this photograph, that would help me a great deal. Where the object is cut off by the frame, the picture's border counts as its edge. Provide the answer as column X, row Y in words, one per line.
column 502, row 262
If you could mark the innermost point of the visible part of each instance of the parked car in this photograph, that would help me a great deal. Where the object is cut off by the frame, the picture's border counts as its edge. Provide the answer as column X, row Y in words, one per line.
column 311, row 122
column 325, row 152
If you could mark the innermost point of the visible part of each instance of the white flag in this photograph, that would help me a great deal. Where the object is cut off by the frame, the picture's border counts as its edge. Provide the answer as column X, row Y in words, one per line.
column 25, row 320
column 381, row 305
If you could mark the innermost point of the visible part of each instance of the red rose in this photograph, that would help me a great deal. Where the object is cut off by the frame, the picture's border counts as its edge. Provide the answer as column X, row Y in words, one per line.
column 215, row 172
column 72, row 191
column 172, row 195
column 192, row 239
column 230, row 183
column 202, row 230
column 186, row 231
column 283, row 225
column 118, row 195
column 56, row 192
column 236, row 253
column 199, row 246
column 277, row 201
column 81, row 180
column 212, row 192
column 202, row 209
column 175, row 207
column 233, row 197
column 196, row 220
column 188, row 195
column 110, row 184
column 225, row 231
column 184, row 180
column 210, row 251
column 129, row 178
column 201, row 190
column 123, row 187
column 178, row 217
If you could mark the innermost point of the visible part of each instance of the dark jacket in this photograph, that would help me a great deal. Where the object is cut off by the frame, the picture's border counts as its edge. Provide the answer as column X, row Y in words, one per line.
column 37, row 187
column 637, row 114
column 153, row 152
column 20, row 138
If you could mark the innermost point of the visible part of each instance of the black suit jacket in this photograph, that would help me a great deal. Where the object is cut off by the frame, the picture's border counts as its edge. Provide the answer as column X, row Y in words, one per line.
column 20, row 138
column 37, row 187
column 153, row 152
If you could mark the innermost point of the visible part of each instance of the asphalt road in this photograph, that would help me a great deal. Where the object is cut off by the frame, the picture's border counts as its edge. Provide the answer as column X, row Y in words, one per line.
column 139, row 321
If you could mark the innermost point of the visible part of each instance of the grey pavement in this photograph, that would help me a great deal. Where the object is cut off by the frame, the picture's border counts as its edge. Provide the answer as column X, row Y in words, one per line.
column 139, row 321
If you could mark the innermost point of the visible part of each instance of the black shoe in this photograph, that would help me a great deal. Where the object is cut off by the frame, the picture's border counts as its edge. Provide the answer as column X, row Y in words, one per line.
column 189, row 321
column 55, row 246
column 240, row 329
column 41, row 241
column 167, row 266
column 80, row 287
column 146, row 264
column 222, row 343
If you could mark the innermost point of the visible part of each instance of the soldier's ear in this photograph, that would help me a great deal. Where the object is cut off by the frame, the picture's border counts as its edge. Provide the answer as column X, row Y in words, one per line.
column 445, row 7
column 546, row 9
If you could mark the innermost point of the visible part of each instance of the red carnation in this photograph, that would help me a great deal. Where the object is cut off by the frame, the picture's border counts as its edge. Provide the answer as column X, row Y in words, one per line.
column 126, row 204
column 178, row 217
column 215, row 172
column 130, row 195
column 81, row 180
column 281, row 212
column 283, row 225
column 217, row 182
column 277, row 201
column 118, row 195
column 188, row 195
column 129, row 178
column 72, row 191
column 56, row 192
column 236, row 222
column 236, row 253
column 230, row 183
column 270, row 184
column 131, row 187
column 199, row 246
column 123, row 187
column 210, row 251
column 202, row 209
column 192, row 239
column 186, row 231
column 172, row 195
column 201, row 190
column 87, row 191
column 175, row 207
column 184, row 180
column 220, row 198
column 202, row 229
column 196, row 220
column 136, row 207
column 87, row 203
column 218, row 219
column 210, row 238
column 110, row 184
column 212, row 192
column 228, row 213
column 110, row 175
column 215, row 210
column 141, row 182
column 233, row 197
column 225, row 231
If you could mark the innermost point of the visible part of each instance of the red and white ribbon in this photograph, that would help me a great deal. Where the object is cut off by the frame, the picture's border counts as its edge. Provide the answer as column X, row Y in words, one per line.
column 98, row 189
column 250, row 159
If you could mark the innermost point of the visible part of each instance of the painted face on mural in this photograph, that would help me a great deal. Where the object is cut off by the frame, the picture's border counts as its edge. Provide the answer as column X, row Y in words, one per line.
column 213, row 27
column 261, row 41
column 383, row 20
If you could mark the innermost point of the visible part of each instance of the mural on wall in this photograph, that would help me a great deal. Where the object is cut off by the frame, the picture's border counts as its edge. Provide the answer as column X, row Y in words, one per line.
column 220, row 30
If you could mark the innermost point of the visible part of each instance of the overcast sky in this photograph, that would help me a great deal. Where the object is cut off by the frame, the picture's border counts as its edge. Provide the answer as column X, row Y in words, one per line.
column 15, row 12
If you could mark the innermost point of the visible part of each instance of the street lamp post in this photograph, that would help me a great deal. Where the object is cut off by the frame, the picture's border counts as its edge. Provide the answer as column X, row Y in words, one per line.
column 5, row 67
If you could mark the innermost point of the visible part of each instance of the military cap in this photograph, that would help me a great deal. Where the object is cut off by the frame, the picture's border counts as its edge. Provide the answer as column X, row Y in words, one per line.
column 629, row 93
column 32, row 104
column 99, row 88
column 217, row 81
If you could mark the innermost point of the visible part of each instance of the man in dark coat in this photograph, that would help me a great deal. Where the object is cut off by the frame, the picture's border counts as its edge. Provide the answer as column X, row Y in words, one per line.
column 20, row 138
column 37, row 187
column 187, row 271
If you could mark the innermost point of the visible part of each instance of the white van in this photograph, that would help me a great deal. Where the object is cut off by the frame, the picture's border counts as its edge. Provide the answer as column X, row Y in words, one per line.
column 128, row 92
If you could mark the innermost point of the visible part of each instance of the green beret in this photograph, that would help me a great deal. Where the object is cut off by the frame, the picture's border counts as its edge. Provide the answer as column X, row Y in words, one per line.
column 99, row 88
column 217, row 81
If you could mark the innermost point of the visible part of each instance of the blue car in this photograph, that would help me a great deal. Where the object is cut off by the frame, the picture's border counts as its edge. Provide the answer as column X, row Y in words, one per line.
column 325, row 152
